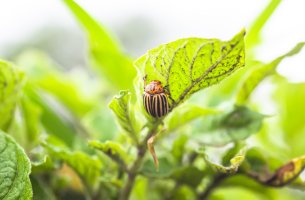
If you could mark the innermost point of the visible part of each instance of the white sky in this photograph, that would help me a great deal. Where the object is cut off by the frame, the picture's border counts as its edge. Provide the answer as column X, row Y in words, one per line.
column 177, row 19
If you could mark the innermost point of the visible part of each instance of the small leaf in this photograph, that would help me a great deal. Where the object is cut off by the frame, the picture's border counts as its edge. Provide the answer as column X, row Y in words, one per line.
column 15, row 168
column 178, row 148
column 260, row 73
column 188, row 65
column 120, row 105
column 113, row 150
column 185, row 114
column 234, row 126
column 235, row 163
column 109, row 59
column 87, row 167
column 11, row 82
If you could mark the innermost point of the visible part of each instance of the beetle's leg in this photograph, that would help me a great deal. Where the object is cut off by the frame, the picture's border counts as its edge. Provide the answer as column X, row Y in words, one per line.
column 150, row 146
column 166, row 91
column 144, row 79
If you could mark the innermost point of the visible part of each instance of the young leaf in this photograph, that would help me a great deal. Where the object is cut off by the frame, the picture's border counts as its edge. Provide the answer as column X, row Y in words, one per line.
column 260, row 73
column 11, row 82
column 109, row 58
column 15, row 168
column 234, row 126
column 87, row 167
column 235, row 162
column 120, row 105
column 188, row 65
column 113, row 150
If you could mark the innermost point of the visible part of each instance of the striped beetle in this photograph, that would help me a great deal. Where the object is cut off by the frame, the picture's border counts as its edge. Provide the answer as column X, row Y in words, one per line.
column 155, row 99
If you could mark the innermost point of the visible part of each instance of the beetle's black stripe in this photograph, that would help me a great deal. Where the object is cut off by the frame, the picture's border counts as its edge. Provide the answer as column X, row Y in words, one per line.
column 156, row 105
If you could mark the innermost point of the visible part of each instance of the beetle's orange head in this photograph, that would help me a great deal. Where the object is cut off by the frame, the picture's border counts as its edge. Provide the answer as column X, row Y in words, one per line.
column 154, row 87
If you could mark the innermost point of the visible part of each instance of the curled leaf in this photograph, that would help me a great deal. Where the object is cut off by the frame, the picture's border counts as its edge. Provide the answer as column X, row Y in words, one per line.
column 120, row 105
column 235, row 162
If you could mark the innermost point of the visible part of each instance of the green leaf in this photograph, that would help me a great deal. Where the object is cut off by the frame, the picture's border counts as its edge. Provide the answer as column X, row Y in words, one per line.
column 120, row 105
column 235, row 163
column 188, row 175
column 11, row 82
column 87, row 167
column 113, row 150
column 253, row 38
column 109, row 59
column 188, row 65
column 15, row 168
column 260, row 73
column 178, row 148
column 31, row 114
column 185, row 114
column 289, row 98
column 43, row 73
column 233, row 126
column 166, row 168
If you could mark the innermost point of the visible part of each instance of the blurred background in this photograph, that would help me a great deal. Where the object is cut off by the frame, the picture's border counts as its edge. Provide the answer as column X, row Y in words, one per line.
column 139, row 26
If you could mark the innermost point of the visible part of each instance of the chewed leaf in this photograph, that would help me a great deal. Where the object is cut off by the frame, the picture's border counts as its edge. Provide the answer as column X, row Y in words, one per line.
column 120, row 105
column 188, row 65
column 15, row 168
column 11, row 82
column 235, row 162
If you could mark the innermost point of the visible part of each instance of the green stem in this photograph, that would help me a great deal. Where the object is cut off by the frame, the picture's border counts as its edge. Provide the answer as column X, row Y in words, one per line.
column 133, row 171
column 213, row 184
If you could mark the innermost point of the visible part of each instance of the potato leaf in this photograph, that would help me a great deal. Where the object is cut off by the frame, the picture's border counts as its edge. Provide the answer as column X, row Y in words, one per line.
column 11, row 82
column 15, row 168
column 260, row 73
column 236, row 125
column 109, row 59
column 120, row 105
column 188, row 65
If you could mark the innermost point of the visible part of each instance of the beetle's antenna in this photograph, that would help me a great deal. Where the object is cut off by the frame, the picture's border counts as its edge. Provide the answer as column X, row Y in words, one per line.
column 144, row 79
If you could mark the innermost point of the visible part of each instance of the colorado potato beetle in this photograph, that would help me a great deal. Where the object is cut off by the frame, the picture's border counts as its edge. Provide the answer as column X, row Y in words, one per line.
column 155, row 99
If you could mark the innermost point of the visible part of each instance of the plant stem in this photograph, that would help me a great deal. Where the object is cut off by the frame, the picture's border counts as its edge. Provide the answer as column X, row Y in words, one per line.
column 133, row 171
column 213, row 184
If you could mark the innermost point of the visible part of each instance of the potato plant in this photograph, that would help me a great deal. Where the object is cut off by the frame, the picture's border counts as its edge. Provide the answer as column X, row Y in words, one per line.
column 87, row 135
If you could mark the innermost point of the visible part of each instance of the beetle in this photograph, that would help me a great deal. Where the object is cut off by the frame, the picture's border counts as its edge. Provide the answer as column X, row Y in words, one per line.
column 155, row 99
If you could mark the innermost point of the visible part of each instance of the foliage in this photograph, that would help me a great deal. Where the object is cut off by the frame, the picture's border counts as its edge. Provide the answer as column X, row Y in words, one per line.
column 59, row 140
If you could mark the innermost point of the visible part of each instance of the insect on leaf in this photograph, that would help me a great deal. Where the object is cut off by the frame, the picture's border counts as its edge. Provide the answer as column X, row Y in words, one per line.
column 188, row 65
